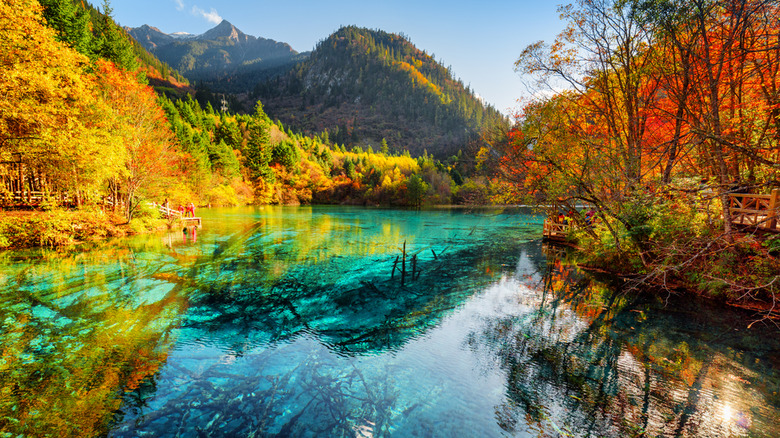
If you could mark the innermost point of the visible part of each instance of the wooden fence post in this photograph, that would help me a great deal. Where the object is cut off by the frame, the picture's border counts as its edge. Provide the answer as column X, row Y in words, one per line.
column 774, row 203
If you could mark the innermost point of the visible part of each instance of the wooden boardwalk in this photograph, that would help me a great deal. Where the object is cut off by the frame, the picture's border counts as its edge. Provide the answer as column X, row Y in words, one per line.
column 747, row 210
column 191, row 219
column 176, row 214
column 552, row 230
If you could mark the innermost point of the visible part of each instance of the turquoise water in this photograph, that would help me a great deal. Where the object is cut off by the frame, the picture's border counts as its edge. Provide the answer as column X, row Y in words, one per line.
column 292, row 321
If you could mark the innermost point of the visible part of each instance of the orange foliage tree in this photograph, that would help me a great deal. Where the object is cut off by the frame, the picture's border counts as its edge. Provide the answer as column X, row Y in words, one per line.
column 152, row 163
column 658, row 90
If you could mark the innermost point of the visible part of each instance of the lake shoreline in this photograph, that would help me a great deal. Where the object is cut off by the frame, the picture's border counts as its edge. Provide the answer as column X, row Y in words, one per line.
column 59, row 228
column 675, row 284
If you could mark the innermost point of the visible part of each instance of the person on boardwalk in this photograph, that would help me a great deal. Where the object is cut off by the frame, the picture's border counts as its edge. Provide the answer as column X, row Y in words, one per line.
column 590, row 216
column 191, row 209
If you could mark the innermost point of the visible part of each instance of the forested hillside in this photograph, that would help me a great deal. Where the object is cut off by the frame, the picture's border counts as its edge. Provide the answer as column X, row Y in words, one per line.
column 239, row 159
column 363, row 86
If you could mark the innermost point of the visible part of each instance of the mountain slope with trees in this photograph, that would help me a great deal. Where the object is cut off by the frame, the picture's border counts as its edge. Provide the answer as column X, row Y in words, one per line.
column 363, row 86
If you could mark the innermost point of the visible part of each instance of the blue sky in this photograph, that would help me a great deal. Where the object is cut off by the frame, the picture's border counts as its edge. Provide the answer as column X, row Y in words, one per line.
column 480, row 40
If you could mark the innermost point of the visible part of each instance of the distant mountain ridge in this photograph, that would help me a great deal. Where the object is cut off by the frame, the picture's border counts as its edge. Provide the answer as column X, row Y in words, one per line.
column 150, row 37
column 364, row 85
column 220, row 51
column 227, row 30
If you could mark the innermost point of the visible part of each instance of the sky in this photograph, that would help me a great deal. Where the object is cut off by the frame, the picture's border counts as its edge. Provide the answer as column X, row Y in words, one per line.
column 480, row 40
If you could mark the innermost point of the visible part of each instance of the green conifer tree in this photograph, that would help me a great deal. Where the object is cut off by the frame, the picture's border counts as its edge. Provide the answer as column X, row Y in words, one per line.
column 71, row 23
column 111, row 42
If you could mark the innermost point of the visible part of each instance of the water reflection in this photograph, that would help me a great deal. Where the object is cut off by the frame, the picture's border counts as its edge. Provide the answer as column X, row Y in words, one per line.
column 291, row 322
column 259, row 287
column 76, row 331
column 589, row 360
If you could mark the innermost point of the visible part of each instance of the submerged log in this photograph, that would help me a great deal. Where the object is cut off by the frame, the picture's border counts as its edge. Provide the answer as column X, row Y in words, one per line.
column 403, row 266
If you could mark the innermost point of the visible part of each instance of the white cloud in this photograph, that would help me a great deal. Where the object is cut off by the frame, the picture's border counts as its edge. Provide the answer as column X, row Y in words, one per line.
column 179, row 5
column 211, row 16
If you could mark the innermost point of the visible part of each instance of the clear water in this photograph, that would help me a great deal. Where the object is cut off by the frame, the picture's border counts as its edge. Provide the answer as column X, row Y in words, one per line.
column 292, row 322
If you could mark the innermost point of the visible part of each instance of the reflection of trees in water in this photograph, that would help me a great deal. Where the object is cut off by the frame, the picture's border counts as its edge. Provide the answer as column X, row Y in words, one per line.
column 76, row 332
column 254, row 294
column 95, row 325
column 591, row 361
column 318, row 396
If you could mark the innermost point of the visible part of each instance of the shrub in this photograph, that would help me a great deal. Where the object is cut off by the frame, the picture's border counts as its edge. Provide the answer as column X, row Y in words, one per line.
column 144, row 210
column 54, row 228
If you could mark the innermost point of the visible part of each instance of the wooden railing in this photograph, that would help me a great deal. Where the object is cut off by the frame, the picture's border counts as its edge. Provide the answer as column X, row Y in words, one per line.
column 26, row 196
column 169, row 212
column 555, row 230
column 176, row 214
column 754, row 210
column 109, row 200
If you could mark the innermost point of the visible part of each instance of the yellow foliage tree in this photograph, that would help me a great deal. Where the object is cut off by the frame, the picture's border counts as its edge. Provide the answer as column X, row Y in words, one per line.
column 50, row 118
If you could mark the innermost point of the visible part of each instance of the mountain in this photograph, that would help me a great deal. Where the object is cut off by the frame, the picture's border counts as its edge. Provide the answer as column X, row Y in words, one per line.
column 231, row 33
column 359, row 85
column 218, row 53
column 150, row 37
column 363, row 86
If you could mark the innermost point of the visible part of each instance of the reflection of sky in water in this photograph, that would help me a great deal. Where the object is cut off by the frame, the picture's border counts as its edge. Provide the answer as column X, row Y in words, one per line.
column 286, row 321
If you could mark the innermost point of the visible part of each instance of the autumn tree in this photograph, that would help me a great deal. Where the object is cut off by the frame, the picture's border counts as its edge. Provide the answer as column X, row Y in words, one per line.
column 724, row 86
column 603, row 55
column 670, row 103
column 49, row 115
column 151, row 163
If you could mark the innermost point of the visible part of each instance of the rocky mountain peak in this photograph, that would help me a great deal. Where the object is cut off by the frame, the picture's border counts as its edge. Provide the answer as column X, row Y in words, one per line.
column 226, row 30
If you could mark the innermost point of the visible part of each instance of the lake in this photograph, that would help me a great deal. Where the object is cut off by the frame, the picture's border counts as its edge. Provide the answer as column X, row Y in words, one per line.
column 305, row 321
